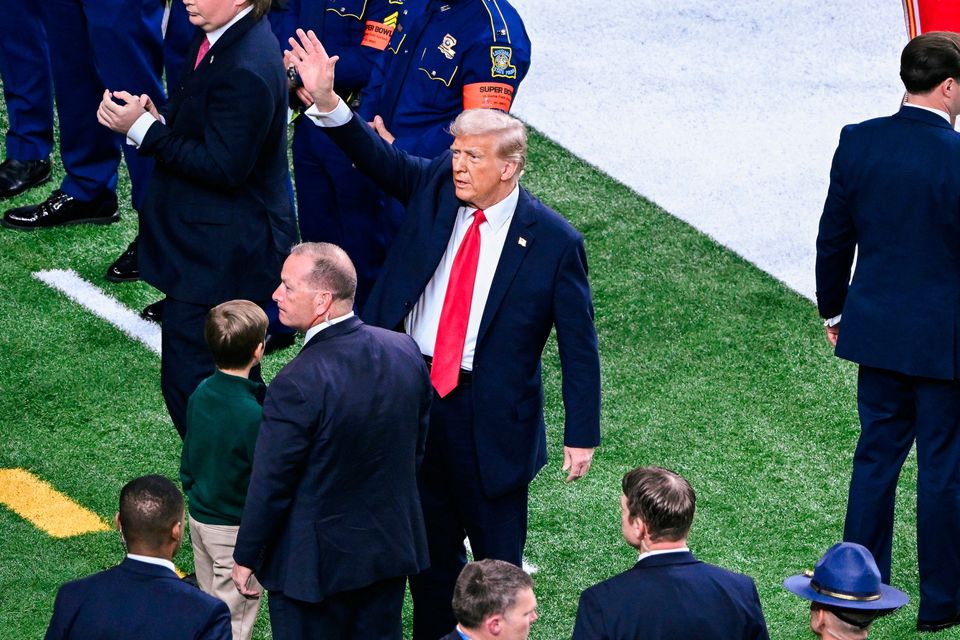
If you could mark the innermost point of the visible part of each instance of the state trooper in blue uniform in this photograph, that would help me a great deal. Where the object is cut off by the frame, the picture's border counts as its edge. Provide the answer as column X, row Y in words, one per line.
column 446, row 56
column 25, row 70
column 443, row 57
column 95, row 45
column 335, row 202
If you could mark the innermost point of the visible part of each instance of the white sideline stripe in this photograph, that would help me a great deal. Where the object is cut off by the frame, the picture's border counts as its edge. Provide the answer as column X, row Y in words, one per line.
column 529, row 568
column 102, row 305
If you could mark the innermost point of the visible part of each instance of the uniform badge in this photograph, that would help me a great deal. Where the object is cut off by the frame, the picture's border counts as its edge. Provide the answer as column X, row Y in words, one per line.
column 446, row 47
column 501, row 63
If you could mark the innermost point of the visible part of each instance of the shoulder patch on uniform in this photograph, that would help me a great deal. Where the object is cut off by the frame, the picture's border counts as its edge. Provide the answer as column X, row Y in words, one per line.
column 502, row 68
column 395, row 2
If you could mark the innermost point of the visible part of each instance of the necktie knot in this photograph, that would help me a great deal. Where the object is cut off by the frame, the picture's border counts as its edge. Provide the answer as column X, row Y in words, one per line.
column 479, row 217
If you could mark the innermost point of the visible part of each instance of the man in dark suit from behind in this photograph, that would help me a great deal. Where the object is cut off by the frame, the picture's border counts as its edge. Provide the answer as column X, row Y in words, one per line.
column 332, row 523
column 493, row 600
column 668, row 593
column 141, row 598
column 894, row 202
column 218, row 218
column 479, row 275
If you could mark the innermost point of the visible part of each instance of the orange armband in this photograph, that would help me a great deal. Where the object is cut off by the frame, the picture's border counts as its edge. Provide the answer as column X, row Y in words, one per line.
column 377, row 35
column 487, row 95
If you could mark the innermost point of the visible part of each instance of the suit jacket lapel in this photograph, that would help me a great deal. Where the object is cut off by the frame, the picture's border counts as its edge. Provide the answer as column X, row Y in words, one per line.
column 520, row 238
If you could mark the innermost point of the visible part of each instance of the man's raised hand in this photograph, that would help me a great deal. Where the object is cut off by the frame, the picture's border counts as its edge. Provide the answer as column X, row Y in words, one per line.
column 315, row 67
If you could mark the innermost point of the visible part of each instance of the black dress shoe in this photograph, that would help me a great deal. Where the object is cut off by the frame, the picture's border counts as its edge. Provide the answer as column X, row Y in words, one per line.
column 126, row 268
column 61, row 209
column 938, row 625
column 16, row 176
column 153, row 312
column 278, row 342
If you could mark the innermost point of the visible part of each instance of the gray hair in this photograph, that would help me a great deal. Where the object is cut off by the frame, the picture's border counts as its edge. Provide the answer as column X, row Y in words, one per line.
column 511, row 133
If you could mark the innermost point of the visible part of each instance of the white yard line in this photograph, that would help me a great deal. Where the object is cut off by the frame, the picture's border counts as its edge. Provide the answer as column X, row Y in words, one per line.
column 102, row 306
column 725, row 113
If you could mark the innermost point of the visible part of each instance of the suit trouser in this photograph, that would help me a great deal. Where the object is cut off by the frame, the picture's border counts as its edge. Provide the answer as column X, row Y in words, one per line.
column 97, row 45
column 185, row 359
column 213, row 546
column 455, row 506
column 369, row 613
column 25, row 70
column 896, row 410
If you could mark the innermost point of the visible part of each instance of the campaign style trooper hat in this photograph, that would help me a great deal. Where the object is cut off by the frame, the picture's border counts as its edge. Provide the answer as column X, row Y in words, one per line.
column 846, row 576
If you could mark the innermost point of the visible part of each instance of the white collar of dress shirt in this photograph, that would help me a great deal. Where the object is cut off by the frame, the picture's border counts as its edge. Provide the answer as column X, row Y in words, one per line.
column 499, row 213
column 213, row 36
column 317, row 328
column 660, row 552
column 152, row 560
column 942, row 114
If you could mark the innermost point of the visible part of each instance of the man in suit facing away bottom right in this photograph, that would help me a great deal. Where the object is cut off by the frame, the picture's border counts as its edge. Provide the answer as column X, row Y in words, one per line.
column 668, row 593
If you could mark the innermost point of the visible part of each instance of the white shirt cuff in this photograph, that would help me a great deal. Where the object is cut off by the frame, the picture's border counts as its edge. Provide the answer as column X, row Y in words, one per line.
column 139, row 129
column 832, row 322
column 340, row 115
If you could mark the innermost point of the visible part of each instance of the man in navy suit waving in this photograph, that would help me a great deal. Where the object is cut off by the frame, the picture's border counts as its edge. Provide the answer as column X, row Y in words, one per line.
column 479, row 274
column 142, row 598
column 668, row 593
column 894, row 201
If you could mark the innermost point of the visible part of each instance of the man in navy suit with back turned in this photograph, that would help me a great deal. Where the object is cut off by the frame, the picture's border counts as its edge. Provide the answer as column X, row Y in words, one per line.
column 142, row 598
column 479, row 274
column 332, row 523
column 668, row 593
column 894, row 200
column 218, row 218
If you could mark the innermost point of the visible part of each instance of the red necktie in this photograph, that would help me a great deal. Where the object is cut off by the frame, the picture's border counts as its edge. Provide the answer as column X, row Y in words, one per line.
column 452, row 329
column 204, row 47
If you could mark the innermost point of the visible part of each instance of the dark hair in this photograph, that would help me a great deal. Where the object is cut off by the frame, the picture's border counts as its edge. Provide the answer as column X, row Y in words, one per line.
column 332, row 269
column 929, row 59
column 664, row 500
column 149, row 507
column 486, row 588
column 233, row 331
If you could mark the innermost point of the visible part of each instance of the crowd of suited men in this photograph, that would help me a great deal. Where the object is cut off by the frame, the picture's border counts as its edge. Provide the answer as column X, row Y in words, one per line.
column 425, row 281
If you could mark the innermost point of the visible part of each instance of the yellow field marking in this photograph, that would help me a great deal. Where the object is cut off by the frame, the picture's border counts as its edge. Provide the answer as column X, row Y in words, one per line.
column 49, row 510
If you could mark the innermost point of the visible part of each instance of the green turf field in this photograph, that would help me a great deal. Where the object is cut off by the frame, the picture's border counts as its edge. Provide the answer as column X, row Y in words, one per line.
column 710, row 367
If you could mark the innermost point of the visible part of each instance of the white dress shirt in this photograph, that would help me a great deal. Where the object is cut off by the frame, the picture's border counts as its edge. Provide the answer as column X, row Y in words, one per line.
column 317, row 328
column 138, row 131
column 660, row 552
column 152, row 560
column 422, row 321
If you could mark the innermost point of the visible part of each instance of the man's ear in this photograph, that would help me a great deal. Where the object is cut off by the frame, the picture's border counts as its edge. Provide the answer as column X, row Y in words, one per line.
column 116, row 522
column 509, row 170
column 493, row 625
column 176, row 533
column 818, row 621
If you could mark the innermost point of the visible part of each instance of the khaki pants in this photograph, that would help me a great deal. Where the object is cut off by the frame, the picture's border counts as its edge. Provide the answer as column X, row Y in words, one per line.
column 213, row 557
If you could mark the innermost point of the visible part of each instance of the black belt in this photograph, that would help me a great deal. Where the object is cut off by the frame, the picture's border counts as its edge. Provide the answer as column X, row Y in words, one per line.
column 466, row 377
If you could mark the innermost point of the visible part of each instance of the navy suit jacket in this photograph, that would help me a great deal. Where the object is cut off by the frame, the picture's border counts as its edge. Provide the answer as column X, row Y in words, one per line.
column 333, row 503
column 137, row 601
column 894, row 197
column 219, row 221
column 671, row 596
column 540, row 283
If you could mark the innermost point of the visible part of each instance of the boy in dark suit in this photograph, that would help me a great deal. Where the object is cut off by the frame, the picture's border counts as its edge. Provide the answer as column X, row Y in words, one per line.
column 223, row 419
column 141, row 598
column 668, row 593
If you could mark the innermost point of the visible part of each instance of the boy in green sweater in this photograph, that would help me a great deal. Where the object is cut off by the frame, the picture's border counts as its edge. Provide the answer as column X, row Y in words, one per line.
column 223, row 418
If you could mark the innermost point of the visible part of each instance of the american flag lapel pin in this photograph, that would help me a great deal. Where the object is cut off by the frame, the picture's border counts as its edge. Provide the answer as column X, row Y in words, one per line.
column 522, row 241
